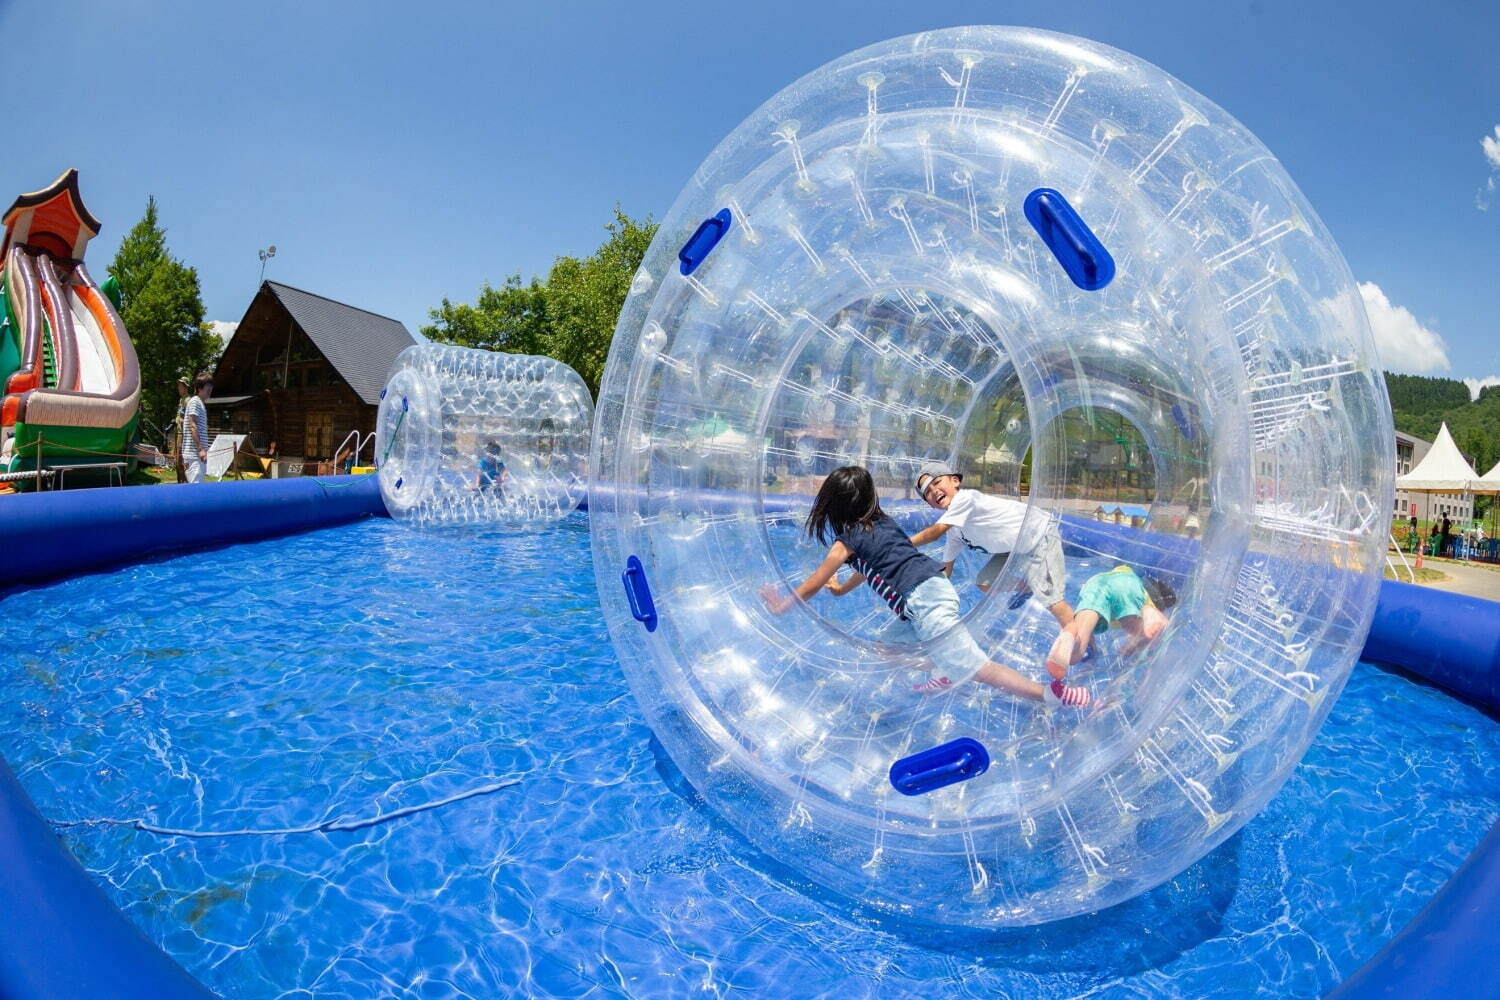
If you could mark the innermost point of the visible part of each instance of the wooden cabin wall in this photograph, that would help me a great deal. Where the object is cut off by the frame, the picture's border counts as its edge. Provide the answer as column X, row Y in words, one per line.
column 282, row 416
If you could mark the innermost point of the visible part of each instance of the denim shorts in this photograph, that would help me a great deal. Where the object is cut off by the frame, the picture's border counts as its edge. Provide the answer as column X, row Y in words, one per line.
column 932, row 613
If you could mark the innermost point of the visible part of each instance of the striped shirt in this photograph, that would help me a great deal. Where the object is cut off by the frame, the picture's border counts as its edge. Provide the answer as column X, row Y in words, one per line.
column 194, row 415
column 890, row 564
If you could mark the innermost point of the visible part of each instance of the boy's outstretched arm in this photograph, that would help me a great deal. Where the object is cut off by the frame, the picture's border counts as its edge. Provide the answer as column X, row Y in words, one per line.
column 838, row 554
column 931, row 533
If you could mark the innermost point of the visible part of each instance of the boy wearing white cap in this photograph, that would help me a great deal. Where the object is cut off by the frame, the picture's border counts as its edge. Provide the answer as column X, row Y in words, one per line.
column 993, row 525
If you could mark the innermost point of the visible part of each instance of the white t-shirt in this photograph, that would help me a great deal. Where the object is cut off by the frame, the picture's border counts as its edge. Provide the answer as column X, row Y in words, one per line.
column 982, row 521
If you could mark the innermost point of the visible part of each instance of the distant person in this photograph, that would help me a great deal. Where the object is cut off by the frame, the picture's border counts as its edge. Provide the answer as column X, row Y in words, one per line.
column 1191, row 525
column 195, row 427
column 1444, row 535
column 344, row 460
column 1416, row 536
column 184, row 390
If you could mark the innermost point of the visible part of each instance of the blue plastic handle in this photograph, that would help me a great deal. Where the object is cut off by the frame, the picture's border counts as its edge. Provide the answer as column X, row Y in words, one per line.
column 638, row 593
column 940, row 766
column 1075, row 246
column 707, row 236
column 1182, row 424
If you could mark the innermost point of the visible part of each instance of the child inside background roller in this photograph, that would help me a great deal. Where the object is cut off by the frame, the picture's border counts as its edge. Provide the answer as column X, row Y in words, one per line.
column 912, row 584
column 1119, row 598
column 492, row 471
column 992, row 525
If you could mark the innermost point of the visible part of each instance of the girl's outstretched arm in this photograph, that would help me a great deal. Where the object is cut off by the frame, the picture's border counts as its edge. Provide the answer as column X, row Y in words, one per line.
column 777, row 603
column 840, row 589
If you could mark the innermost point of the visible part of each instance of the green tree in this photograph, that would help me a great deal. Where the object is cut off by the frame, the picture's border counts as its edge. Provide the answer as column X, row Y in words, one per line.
column 210, row 348
column 570, row 317
column 163, row 314
column 584, row 297
column 510, row 318
column 1423, row 394
column 1475, row 445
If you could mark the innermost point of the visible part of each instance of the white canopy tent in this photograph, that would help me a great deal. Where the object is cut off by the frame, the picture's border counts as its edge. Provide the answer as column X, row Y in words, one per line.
column 1442, row 470
column 1489, row 483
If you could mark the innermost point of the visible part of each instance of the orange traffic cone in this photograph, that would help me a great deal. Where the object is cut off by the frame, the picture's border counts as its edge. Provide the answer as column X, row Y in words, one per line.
column 1419, row 557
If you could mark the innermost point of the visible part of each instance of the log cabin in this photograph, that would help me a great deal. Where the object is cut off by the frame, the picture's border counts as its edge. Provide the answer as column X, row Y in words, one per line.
column 302, row 372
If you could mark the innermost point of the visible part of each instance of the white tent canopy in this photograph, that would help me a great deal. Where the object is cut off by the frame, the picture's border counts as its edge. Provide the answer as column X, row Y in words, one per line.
column 1490, row 482
column 1442, row 470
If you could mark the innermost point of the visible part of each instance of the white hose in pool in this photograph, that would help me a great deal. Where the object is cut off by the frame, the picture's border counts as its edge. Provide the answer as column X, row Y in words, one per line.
column 875, row 268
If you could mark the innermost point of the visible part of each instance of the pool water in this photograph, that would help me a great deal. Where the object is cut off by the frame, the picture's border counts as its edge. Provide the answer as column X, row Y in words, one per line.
column 371, row 762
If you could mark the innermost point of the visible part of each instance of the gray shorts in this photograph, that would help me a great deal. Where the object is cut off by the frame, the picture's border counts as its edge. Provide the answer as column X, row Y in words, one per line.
column 1046, row 573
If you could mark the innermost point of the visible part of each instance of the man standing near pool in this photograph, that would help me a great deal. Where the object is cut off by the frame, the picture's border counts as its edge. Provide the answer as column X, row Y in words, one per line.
column 195, row 429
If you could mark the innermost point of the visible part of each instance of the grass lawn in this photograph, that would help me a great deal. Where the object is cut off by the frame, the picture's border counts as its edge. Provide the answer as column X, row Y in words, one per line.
column 1424, row 575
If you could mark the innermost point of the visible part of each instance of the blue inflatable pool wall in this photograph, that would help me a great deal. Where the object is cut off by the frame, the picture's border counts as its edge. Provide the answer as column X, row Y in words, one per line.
column 64, row 938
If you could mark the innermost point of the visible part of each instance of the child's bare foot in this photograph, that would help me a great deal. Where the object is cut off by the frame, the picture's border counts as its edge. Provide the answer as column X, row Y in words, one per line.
column 1057, row 693
column 1062, row 655
column 933, row 685
column 1153, row 622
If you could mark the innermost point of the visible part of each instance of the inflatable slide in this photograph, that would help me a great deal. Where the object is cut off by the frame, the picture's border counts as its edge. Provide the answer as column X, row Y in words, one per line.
column 72, row 382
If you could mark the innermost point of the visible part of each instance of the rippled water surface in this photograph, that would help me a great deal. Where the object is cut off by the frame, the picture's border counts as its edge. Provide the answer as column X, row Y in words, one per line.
column 437, row 784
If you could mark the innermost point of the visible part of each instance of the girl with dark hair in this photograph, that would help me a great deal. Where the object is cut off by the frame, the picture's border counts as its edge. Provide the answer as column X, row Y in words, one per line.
column 911, row 584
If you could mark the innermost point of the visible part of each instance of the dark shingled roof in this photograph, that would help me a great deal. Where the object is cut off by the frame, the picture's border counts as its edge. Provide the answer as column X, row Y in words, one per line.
column 360, row 345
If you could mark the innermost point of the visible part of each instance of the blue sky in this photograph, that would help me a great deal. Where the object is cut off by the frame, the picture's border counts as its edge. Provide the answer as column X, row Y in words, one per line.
column 399, row 153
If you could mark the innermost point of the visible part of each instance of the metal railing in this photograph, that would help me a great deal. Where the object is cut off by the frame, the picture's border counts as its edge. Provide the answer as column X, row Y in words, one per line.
column 360, row 442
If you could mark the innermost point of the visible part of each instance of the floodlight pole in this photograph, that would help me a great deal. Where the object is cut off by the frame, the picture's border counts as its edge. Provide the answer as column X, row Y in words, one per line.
column 266, row 255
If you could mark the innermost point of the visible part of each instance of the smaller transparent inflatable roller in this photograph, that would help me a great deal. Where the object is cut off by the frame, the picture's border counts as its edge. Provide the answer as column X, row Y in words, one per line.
column 477, row 437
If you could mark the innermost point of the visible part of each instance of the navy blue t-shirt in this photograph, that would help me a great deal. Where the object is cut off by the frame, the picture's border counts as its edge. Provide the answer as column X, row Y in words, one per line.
column 889, row 562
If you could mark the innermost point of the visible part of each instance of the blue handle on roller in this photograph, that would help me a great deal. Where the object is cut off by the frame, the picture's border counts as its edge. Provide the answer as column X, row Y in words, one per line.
column 1069, row 238
column 940, row 766
column 638, row 593
column 704, row 238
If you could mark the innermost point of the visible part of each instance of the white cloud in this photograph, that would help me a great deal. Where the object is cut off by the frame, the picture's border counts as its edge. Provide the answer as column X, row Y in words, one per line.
column 1476, row 385
column 1490, row 144
column 223, row 328
column 1401, row 340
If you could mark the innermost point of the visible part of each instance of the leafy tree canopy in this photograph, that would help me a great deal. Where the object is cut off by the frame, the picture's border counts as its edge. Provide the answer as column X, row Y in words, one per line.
column 1421, row 394
column 571, row 316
